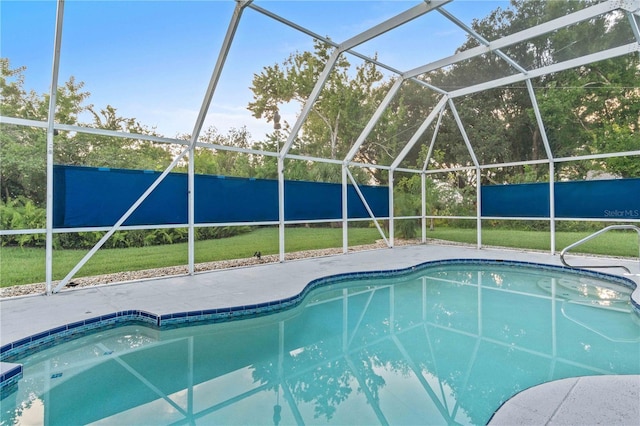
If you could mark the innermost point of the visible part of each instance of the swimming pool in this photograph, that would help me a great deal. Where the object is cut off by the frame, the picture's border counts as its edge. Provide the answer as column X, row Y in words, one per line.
column 436, row 344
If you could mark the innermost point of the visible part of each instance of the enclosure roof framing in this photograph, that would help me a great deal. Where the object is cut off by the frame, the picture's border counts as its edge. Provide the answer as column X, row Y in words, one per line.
column 413, row 13
column 392, row 23
column 540, row 72
column 631, row 7
column 524, row 35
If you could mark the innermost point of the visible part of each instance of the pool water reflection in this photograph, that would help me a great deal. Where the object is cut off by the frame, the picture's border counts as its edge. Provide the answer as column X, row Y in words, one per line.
column 441, row 345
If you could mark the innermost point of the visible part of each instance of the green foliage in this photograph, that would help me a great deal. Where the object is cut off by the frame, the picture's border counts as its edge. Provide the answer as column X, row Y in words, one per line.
column 530, row 173
column 519, row 225
column 216, row 232
column 620, row 139
column 23, row 149
column 407, row 228
column 218, row 162
column 407, row 202
column 589, row 110
column 103, row 151
column 143, row 238
column 22, row 213
column 442, row 199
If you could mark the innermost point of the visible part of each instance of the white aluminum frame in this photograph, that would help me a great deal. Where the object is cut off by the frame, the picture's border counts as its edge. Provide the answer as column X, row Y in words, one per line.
column 53, row 94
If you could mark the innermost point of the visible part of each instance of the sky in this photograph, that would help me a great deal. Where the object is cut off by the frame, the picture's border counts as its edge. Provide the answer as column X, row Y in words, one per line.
column 152, row 60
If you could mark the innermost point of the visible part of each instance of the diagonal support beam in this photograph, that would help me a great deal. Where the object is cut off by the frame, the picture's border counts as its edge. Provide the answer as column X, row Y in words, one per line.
column 367, row 207
column 439, row 403
column 536, row 111
column 547, row 27
column 634, row 22
column 396, row 21
column 373, row 32
column 481, row 39
column 217, row 70
column 467, row 142
column 374, row 119
column 373, row 402
column 143, row 380
column 119, row 223
column 423, row 128
column 433, row 141
column 322, row 79
column 561, row 66
column 240, row 5
column 332, row 43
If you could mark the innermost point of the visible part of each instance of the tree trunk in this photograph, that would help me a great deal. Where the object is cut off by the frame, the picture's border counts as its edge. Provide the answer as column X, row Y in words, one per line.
column 535, row 138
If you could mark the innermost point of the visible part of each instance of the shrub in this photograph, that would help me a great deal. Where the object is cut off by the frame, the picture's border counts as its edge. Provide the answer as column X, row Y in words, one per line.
column 22, row 213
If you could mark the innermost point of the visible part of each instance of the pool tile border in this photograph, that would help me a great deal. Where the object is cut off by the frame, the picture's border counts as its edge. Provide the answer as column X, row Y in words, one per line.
column 10, row 374
column 46, row 339
column 63, row 333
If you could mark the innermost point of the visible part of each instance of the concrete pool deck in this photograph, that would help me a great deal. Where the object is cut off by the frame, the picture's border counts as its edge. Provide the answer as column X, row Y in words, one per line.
column 603, row 399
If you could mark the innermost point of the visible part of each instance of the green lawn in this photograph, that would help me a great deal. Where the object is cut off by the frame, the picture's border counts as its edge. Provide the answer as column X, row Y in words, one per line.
column 26, row 265
column 613, row 243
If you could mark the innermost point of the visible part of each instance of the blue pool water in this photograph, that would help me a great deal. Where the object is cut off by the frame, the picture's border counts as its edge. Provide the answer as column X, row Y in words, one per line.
column 440, row 345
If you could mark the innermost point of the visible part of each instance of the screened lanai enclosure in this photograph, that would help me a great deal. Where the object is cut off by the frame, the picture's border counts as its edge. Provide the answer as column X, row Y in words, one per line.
column 125, row 116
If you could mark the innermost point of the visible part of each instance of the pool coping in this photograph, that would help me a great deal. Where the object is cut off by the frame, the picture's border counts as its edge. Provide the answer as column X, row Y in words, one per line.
column 23, row 347
column 586, row 400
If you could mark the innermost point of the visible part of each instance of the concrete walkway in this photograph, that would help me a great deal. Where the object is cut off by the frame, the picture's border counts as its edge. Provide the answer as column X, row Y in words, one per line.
column 563, row 402
column 597, row 400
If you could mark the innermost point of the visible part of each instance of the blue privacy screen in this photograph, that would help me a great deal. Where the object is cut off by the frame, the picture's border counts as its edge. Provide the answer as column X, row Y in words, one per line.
column 90, row 196
column 595, row 199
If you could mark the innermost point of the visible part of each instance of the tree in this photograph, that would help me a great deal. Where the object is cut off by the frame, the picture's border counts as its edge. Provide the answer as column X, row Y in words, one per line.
column 404, row 115
column 340, row 112
column 580, row 107
column 22, row 161
column 23, row 149
column 222, row 162
column 105, row 151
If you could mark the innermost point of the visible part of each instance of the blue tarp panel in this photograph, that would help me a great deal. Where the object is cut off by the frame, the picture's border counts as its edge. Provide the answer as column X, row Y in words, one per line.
column 523, row 200
column 594, row 199
column 88, row 196
column 227, row 199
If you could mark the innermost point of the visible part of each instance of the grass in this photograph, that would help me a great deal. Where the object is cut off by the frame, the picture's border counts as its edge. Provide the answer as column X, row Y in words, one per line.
column 613, row 243
column 26, row 265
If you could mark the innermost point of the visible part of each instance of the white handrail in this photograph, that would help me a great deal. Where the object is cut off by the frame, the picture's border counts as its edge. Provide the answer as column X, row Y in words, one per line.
column 595, row 234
